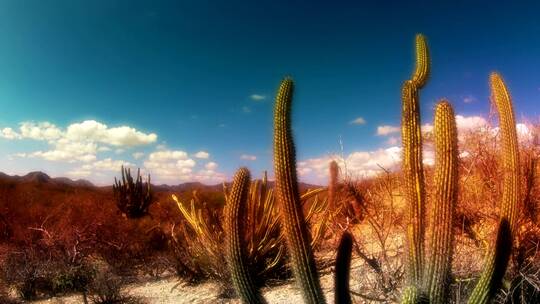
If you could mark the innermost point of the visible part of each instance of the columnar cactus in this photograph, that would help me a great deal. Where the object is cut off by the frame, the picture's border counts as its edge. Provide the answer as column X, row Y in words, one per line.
column 235, row 247
column 333, row 170
column 342, row 294
column 439, row 259
column 296, row 233
column 412, row 166
column 133, row 198
column 497, row 258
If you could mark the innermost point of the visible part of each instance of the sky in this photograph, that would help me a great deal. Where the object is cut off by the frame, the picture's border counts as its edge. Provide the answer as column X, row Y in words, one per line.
column 184, row 89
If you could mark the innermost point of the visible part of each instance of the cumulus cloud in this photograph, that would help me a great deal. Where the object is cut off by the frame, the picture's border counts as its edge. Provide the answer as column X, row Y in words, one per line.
column 358, row 121
column 387, row 130
column 79, row 142
column 176, row 166
column 248, row 157
column 118, row 136
column 202, row 155
column 257, row 97
column 137, row 155
column 357, row 164
column 211, row 166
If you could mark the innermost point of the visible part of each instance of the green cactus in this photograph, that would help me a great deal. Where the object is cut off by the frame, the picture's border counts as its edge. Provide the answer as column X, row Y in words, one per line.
column 439, row 249
column 133, row 197
column 235, row 247
column 296, row 232
column 412, row 166
column 497, row 258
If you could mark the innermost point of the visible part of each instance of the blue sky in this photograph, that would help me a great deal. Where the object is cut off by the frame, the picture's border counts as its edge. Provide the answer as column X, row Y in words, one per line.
column 85, row 85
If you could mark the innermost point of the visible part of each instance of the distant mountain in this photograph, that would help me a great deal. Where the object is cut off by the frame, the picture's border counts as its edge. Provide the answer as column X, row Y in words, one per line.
column 40, row 178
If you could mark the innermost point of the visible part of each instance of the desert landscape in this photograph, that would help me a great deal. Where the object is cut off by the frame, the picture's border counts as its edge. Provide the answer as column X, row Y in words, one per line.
column 414, row 210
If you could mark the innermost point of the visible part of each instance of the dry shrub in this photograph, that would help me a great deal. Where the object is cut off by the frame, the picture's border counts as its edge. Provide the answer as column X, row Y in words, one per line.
column 199, row 235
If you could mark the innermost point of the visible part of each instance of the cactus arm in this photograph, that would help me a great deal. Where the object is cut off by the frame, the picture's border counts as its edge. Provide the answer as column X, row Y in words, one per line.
column 413, row 174
column 290, row 208
column 422, row 67
column 343, row 269
column 497, row 259
column 235, row 222
column 446, row 179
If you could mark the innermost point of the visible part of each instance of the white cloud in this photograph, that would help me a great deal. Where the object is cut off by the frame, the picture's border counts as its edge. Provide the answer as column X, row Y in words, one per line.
column 137, row 155
column 257, row 97
column 248, row 157
column 470, row 123
column 211, row 166
column 79, row 141
column 118, row 136
column 387, row 130
column 202, row 155
column 358, row 121
column 357, row 164
column 246, row 109
column 170, row 165
column 9, row 133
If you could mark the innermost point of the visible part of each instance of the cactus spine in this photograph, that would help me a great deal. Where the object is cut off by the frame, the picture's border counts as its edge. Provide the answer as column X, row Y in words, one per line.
column 296, row 234
column 412, row 166
column 446, row 179
column 497, row 258
column 235, row 247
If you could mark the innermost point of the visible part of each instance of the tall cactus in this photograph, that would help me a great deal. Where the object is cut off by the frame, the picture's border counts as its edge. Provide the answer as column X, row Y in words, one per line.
column 497, row 258
column 412, row 166
column 296, row 233
column 235, row 247
column 439, row 250
column 333, row 170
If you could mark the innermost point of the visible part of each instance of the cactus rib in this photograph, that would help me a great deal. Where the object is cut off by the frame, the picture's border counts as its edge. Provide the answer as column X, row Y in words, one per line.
column 296, row 234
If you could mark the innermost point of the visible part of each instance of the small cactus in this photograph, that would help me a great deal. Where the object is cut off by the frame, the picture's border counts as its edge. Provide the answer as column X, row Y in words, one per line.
column 235, row 246
column 333, row 170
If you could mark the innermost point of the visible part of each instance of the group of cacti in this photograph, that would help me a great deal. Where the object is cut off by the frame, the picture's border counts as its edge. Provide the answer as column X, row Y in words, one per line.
column 428, row 265
column 133, row 197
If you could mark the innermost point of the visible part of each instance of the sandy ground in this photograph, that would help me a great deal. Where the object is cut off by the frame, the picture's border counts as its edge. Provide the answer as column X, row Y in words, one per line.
column 170, row 291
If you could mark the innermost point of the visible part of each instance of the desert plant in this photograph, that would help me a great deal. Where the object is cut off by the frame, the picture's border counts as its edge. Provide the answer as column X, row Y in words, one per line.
column 291, row 214
column 427, row 277
column 133, row 198
column 235, row 220
column 200, row 249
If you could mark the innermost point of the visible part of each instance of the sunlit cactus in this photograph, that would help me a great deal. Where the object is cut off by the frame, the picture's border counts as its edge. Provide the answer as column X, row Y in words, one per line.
column 422, row 67
column 333, row 169
column 133, row 198
column 439, row 249
column 412, row 166
column 497, row 258
column 235, row 247
column 296, row 232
